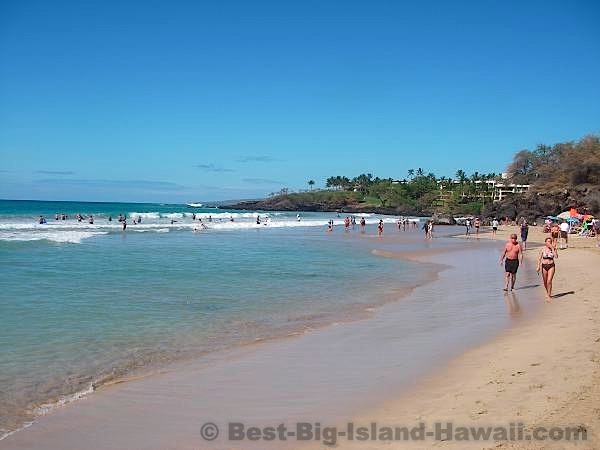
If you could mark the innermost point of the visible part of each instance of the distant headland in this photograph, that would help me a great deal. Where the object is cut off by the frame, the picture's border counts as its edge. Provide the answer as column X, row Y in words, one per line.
column 539, row 182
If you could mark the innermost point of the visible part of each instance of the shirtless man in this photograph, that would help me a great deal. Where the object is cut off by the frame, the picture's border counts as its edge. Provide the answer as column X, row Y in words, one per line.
column 513, row 252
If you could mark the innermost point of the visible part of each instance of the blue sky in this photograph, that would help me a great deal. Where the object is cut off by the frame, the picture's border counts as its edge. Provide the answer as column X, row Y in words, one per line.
column 197, row 100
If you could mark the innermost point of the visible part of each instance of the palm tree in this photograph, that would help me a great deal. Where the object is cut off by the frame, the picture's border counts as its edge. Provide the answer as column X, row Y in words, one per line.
column 420, row 172
column 345, row 183
column 411, row 173
column 461, row 176
column 311, row 183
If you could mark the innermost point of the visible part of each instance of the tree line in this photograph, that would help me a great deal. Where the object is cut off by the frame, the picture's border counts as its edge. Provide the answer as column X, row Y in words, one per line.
column 561, row 176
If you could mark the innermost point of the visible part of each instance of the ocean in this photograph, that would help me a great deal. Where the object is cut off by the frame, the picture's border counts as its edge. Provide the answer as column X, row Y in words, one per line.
column 83, row 304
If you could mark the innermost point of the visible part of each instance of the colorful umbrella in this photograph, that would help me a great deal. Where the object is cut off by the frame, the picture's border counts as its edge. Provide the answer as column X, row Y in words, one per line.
column 564, row 215
column 572, row 219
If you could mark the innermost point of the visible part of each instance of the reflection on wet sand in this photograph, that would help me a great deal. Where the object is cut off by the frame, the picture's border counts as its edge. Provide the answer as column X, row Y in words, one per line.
column 514, row 308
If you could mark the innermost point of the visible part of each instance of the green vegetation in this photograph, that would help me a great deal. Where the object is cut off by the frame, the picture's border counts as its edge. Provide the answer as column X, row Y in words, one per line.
column 560, row 176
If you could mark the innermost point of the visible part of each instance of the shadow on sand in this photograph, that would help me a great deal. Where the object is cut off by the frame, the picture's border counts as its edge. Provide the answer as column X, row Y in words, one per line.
column 562, row 294
column 529, row 286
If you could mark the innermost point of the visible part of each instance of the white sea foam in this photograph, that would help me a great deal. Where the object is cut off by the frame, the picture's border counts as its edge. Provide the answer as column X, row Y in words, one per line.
column 174, row 215
column 47, row 407
column 10, row 433
column 144, row 215
column 71, row 231
column 72, row 237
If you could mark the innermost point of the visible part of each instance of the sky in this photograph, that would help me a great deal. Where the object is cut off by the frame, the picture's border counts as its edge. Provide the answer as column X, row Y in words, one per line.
column 178, row 101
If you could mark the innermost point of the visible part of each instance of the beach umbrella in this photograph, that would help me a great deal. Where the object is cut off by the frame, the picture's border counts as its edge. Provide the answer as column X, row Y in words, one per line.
column 552, row 217
column 572, row 219
column 564, row 215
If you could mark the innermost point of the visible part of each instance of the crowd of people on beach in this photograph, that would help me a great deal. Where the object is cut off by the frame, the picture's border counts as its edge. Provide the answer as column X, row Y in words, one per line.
column 559, row 229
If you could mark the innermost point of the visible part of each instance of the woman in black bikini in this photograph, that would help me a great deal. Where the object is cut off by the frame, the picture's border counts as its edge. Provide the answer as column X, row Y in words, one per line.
column 546, row 263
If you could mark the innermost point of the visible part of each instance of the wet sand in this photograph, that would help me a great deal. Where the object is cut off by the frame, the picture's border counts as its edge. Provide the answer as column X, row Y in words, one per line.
column 544, row 372
column 376, row 367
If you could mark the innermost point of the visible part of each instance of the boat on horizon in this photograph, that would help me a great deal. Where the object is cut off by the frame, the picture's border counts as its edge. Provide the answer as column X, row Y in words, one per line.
column 194, row 205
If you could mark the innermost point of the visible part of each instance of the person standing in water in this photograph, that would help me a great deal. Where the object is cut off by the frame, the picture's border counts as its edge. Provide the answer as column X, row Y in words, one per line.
column 380, row 228
column 546, row 264
column 363, row 224
column 428, row 229
column 513, row 252
column 477, row 224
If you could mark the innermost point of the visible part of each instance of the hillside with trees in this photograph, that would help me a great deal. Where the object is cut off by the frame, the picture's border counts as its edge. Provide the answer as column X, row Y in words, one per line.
column 560, row 176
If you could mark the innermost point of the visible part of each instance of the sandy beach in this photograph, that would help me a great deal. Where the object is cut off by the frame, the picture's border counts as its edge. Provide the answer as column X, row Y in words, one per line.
column 543, row 373
column 411, row 362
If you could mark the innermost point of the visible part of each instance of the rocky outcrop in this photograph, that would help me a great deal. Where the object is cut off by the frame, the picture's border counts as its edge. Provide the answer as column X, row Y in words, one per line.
column 443, row 219
column 531, row 206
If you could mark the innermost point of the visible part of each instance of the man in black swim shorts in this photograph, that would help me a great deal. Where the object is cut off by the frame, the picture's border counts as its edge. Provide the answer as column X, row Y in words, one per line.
column 513, row 252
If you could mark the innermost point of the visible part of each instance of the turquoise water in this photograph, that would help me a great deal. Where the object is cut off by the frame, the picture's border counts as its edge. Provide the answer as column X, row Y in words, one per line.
column 82, row 304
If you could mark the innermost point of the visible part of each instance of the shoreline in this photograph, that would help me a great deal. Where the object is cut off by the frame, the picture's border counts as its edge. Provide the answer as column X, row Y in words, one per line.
column 136, row 371
column 544, row 372
column 265, row 349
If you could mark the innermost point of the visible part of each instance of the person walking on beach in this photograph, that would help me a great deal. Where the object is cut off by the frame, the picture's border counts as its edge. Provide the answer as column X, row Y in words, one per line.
column 495, row 224
column 477, row 224
column 546, row 264
column 363, row 224
column 564, row 234
column 555, row 233
column 468, row 226
column 380, row 228
column 347, row 224
column 513, row 252
column 524, row 233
